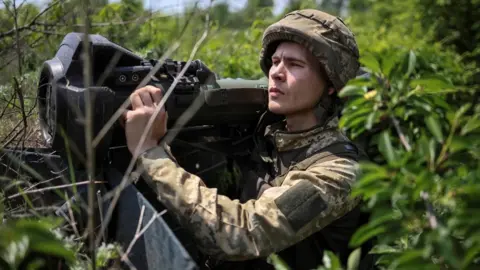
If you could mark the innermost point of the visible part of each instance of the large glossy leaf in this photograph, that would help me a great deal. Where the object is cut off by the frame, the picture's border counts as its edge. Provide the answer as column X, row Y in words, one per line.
column 277, row 262
column 354, row 259
column 432, row 85
column 366, row 233
column 16, row 251
column 389, row 62
column 361, row 113
column 331, row 261
column 385, row 146
column 412, row 61
column 352, row 90
column 473, row 124
column 409, row 259
column 384, row 249
column 371, row 62
column 433, row 125
column 371, row 120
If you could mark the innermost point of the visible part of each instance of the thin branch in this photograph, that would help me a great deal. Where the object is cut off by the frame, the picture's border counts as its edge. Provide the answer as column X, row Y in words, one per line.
column 430, row 211
column 139, row 225
column 100, row 209
column 126, row 177
column 6, row 106
column 43, row 182
column 55, row 187
column 127, row 260
column 28, row 26
column 73, row 223
column 88, row 132
column 138, row 234
column 402, row 136
column 19, row 91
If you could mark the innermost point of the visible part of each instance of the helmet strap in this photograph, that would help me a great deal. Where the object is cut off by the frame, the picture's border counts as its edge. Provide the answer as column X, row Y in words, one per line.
column 327, row 107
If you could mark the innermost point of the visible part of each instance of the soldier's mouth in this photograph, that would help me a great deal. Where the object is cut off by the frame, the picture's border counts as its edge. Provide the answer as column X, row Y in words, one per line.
column 274, row 90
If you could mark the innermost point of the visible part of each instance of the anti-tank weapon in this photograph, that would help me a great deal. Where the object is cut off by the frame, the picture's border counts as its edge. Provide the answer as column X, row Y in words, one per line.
column 221, row 127
column 115, row 73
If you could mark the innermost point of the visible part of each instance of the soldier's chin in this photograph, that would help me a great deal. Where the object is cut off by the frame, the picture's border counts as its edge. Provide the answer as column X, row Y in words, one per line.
column 277, row 108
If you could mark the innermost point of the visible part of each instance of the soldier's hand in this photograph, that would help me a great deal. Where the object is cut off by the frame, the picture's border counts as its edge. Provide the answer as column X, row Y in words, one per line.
column 144, row 102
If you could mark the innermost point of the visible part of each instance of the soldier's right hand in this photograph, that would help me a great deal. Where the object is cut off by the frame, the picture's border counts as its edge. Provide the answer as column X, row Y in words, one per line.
column 144, row 102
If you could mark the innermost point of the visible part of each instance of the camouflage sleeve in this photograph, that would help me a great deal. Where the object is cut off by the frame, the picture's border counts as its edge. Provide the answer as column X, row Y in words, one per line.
column 282, row 216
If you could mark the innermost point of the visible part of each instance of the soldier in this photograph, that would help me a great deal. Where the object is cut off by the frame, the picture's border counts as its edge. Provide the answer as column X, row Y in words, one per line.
column 302, row 206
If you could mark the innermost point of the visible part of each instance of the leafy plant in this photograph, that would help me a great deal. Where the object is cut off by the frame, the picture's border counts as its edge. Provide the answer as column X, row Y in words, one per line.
column 424, row 144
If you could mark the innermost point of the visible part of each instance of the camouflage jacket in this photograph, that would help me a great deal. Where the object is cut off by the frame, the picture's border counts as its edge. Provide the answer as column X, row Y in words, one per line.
column 296, row 205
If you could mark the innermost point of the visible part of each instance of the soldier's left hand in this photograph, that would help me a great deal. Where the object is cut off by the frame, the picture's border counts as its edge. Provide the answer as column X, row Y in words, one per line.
column 144, row 102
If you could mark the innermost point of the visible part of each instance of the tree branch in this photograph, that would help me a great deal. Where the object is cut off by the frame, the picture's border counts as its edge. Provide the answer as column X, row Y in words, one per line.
column 29, row 25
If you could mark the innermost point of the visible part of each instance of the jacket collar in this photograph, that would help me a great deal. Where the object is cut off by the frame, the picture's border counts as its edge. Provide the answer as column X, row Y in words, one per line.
column 286, row 140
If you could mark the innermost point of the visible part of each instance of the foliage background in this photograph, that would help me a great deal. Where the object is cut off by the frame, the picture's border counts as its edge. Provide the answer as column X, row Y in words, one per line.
column 418, row 115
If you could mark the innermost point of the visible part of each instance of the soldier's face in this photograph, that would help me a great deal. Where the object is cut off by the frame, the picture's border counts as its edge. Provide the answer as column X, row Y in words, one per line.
column 295, row 82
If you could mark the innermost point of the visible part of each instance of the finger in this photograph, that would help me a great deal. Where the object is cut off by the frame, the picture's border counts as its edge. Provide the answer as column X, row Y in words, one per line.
column 156, row 94
column 146, row 98
column 123, row 118
column 136, row 100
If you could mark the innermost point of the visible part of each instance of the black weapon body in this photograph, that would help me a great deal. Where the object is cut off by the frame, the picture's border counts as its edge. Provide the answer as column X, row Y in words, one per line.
column 217, row 117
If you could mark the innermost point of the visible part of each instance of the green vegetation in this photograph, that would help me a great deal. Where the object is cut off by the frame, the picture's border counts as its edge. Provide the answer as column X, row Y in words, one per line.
column 419, row 113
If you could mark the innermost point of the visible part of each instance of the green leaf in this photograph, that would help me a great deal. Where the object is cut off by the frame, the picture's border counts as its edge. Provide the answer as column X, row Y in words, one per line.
column 460, row 112
column 408, row 256
column 353, row 116
column 16, row 251
column 420, row 103
column 370, row 61
column 388, row 63
column 471, row 125
column 56, row 248
column 36, row 264
column 365, row 233
column 412, row 60
column 331, row 261
column 359, row 81
column 386, row 148
column 354, row 259
column 371, row 120
column 431, row 151
column 384, row 249
column 459, row 144
column 472, row 253
column 434, row 126
column 277, row 262
column 352, row 90
column 432, row 85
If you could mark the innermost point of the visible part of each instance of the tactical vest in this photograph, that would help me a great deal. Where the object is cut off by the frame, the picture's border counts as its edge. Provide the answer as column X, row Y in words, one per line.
column 308, row 254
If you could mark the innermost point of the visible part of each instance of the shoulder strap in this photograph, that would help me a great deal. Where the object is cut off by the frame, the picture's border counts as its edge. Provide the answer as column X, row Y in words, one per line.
column 330, row 152
column 343, row 149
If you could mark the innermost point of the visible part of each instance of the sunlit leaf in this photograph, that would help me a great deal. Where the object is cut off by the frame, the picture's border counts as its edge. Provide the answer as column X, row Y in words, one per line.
column 371, row 119
column 384, row 249
column 385, row 146
column 434, row 127
column 365, row 233
column 389, row 62
column 331, row 261
column 370, row 61
column 471, row 125
column 432, row 85
column 277, row 262
column 412, row 60
column 354, row 259
column 352, row 90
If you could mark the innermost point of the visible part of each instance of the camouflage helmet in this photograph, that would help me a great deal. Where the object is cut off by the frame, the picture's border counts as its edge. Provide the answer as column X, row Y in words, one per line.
column 326, row 36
